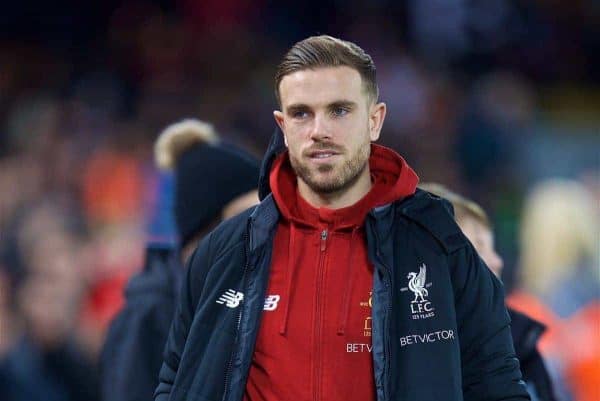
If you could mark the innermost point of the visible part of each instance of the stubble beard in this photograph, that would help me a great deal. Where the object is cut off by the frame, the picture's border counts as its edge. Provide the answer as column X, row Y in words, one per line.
column 349, row 172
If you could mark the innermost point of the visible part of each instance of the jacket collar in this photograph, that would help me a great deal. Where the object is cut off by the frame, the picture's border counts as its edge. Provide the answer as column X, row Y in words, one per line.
column 263, row 222
column 276, row 147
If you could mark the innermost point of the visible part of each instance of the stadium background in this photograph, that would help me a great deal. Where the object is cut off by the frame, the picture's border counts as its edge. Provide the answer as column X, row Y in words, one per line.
column 489, row 98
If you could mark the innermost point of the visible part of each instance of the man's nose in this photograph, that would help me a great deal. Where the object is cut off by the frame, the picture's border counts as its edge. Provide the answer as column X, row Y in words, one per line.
column 320, row 129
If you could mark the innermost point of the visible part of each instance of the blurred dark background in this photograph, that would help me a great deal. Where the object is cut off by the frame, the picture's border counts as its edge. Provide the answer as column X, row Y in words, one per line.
column 489, row 98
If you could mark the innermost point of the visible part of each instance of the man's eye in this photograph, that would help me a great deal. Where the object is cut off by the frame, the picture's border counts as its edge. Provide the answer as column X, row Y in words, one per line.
column 339, row 111
column 299, row 114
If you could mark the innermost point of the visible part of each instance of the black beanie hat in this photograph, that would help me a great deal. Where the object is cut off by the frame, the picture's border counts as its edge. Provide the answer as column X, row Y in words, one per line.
column 208, row 175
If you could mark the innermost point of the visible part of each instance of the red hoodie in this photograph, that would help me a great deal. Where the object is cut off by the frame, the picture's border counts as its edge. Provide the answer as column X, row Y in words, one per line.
column 314, row 341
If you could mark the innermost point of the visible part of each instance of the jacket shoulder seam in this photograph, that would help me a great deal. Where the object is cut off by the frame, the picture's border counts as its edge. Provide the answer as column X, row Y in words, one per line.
column 437, row 220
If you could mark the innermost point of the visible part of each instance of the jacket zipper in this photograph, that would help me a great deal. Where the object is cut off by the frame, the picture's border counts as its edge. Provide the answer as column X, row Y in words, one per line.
column 386, row 337
column 239, row 319
column 318, row 357
column 323, row 240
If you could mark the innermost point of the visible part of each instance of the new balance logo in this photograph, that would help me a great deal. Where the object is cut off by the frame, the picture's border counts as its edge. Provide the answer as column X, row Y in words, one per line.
column 271, row 302
column 231, row 298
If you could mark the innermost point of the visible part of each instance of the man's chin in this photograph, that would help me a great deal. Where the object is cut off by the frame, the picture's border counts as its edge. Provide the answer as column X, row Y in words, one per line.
column 325, row 170
column 324, row 185
column 321, row 180
column 324, row 188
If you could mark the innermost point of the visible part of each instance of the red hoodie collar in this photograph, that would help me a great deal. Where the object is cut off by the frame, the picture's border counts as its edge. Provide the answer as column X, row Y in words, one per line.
column 392, row 179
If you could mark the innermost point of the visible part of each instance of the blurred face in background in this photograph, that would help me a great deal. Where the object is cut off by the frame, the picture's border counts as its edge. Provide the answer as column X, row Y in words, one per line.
column 50, row 295
column 482, row 239
column 328, row 121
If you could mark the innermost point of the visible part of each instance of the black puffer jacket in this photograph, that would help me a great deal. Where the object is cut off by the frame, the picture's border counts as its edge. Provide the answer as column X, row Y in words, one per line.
column 526, row 332
column 132, row 354
column 458, row 347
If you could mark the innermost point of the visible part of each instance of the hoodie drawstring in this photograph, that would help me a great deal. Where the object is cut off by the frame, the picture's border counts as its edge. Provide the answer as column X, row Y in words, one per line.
column 290, row 278
column 347, row 294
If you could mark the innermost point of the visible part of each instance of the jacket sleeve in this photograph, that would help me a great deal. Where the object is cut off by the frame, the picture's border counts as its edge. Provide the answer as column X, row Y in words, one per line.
column 196, row 270
column 131, row 355
column 490, row 368
column 537, row 377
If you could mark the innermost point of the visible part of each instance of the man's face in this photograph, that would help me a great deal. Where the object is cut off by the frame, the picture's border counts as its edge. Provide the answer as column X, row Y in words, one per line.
column 483, row 240
column 328, row 121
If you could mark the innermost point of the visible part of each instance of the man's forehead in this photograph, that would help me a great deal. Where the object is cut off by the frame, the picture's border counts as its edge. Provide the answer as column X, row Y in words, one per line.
column 321, row 85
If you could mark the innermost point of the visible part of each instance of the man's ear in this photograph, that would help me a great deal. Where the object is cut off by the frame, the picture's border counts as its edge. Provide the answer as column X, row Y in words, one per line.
column 376, row 118
column 278, row 115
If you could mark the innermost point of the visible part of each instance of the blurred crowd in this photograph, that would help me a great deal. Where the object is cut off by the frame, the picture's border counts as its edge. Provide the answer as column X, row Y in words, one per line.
column 497, row 100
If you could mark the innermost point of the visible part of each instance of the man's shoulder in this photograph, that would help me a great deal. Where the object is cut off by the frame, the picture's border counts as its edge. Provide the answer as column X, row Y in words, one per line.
column 233, row 231
column 234, row 225
column 230, row 233
column 424, row 203
column 158, row 277
column 436, row 216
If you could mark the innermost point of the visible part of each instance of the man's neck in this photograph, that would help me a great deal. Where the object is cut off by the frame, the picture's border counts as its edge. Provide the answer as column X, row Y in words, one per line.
column 340, row 199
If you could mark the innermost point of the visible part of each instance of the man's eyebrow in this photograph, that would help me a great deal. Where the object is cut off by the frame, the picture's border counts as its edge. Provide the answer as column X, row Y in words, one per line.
column 349, row 104
column 296, row 107
column 338, row 103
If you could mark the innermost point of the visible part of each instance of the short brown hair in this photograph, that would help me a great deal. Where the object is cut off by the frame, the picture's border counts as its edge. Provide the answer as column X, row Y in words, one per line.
column 463, row 207
column 327, row 51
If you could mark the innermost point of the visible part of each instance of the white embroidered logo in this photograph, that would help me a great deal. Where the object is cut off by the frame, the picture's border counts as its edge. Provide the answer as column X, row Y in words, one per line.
column 427, row 338
column 420, row 306
column 416, row 283
column 271, row 302
column 231, row 298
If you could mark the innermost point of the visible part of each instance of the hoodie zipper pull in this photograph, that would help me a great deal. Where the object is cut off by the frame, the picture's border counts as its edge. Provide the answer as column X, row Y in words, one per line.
column 323, row 240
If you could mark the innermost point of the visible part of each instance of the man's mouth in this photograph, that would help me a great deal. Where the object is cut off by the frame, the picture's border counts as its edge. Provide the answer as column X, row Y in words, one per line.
column 322, row 154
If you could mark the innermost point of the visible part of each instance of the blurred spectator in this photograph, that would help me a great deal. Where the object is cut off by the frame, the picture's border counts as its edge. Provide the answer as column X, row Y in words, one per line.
column 559, row 255
column 475, row 224
column 213, row 181
column 49, row 362
column 498, row 113
column 560, row 280
column 9, row 320
column 112, row 186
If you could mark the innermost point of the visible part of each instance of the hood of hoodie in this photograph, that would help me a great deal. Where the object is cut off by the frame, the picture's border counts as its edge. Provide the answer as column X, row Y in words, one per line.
column 320, row 254
column 391, row 176
column 276, row 147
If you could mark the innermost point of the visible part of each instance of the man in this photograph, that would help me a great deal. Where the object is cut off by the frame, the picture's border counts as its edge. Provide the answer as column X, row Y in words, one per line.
column 213, row 182
column 345, row 282
column 475, row 224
